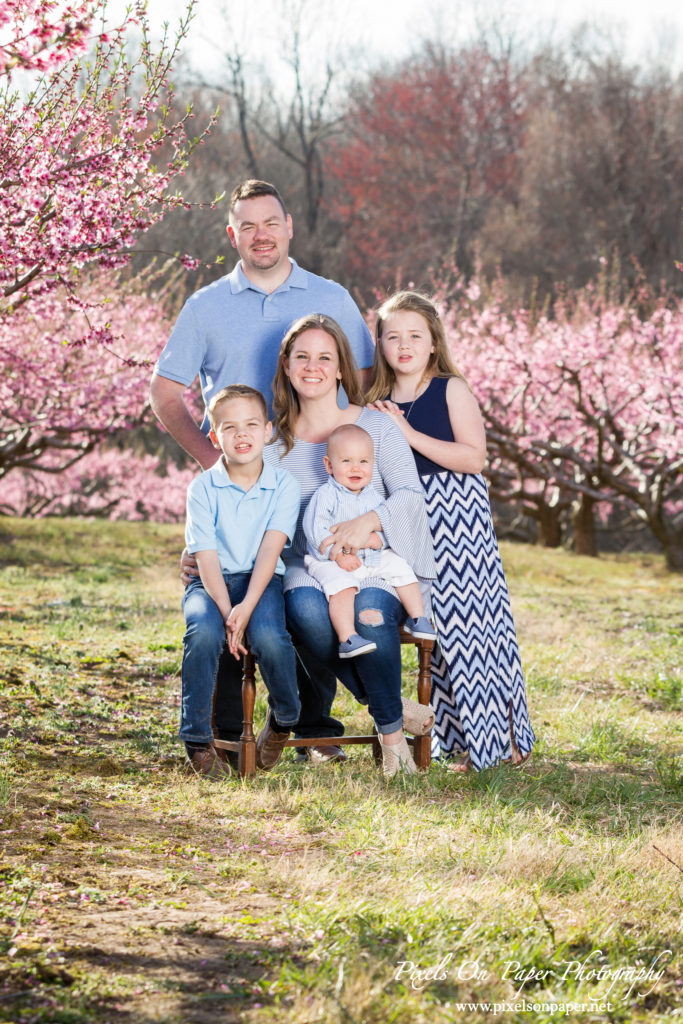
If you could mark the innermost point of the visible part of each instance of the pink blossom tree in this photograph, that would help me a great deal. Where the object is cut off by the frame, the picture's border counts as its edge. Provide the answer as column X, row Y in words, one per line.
column 74, row 375
column 87, row 156
column 581, row 410
column 105, row 483
column 39, row 33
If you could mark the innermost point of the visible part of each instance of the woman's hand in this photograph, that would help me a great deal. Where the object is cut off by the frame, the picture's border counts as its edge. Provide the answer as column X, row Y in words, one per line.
column 351, row 535
column 188, row 567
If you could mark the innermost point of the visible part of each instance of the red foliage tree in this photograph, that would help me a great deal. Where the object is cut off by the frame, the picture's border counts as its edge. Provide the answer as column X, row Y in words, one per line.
column 427, row 147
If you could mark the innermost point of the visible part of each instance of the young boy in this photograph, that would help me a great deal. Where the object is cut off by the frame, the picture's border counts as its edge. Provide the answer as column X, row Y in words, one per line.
column 347, row 494
column 240, row 514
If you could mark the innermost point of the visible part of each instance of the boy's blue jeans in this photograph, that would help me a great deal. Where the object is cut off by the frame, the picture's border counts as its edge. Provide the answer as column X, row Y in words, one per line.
column 203, row 644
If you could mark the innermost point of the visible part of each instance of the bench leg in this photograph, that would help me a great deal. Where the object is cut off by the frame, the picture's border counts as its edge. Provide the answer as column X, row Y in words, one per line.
column 247, row 752
column 422, row 748
column 376, row 748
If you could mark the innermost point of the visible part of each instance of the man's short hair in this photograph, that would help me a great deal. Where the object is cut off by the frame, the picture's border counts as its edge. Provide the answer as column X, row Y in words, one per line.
column 251, row 189
column 232, row 392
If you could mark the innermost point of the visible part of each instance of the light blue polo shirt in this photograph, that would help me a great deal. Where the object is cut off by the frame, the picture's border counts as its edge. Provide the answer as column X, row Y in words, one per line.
column 230, row 332
column 222, row 517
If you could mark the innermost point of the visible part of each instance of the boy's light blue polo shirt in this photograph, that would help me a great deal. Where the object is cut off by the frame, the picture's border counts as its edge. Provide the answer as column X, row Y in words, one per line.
column 230, row 332
column 222, row 517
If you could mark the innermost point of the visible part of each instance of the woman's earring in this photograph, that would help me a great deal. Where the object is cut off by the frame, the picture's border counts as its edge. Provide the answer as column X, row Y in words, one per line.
column 342, row 397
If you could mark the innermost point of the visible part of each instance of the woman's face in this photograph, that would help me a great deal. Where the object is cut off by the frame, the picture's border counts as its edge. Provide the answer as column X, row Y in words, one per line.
column 313, row 364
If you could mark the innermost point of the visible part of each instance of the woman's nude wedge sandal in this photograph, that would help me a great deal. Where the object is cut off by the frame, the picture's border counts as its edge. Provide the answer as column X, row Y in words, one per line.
column 418, row 719
column 396, row 757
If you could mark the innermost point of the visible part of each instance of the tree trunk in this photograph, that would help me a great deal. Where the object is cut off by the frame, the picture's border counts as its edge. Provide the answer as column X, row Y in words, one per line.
column 583, row 525
column 549, row 526
column 674, row 556
column 669, row 535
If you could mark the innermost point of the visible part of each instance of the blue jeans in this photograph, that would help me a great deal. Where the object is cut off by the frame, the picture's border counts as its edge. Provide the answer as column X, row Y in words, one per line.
column 374, row 679
column 203, row 644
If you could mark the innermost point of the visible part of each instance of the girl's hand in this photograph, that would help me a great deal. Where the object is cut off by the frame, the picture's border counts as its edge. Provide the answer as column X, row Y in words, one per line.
column 392, row 411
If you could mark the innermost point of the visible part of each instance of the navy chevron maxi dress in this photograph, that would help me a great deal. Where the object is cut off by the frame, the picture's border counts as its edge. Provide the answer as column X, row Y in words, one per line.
column 477, row 680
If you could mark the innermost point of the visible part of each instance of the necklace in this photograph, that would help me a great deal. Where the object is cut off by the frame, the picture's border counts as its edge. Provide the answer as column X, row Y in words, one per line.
column 410, row 407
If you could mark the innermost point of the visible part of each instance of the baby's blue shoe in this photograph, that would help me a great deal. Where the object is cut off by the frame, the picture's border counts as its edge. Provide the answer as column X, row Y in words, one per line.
column 421, row 628
column 356, row 645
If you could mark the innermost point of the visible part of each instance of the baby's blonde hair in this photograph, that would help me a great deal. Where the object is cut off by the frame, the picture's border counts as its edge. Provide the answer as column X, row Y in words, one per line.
column 336, row 438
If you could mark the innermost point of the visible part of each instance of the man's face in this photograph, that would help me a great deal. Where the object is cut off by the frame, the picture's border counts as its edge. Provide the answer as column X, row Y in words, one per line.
column 260, row 232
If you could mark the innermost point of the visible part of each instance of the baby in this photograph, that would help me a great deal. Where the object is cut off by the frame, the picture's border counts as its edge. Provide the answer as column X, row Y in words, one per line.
column 347, row 494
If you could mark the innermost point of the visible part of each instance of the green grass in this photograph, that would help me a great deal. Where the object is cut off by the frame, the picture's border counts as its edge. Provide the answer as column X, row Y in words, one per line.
column 131, row 892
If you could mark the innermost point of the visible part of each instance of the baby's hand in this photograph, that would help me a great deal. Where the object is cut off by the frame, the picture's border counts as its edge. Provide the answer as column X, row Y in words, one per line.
column 348, row 562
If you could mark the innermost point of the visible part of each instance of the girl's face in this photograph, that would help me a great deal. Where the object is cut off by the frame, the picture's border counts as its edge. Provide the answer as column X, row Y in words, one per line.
column 407, row 342
column 313, row 364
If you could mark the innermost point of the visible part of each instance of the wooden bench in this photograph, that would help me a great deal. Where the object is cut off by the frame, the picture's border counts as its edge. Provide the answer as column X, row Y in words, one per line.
column 245, row 747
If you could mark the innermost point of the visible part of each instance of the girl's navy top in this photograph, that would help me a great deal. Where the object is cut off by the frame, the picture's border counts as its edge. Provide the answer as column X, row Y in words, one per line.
column 429, row 415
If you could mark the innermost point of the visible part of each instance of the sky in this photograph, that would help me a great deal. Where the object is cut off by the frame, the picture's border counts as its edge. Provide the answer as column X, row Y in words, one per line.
column 374, row 28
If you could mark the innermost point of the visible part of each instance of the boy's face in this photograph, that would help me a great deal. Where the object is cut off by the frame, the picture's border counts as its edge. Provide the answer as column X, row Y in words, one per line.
column 241, row 430
column 350, row 462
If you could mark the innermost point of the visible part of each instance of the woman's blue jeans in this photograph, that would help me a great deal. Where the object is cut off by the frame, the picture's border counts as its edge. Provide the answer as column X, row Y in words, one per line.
column 203, row 645
column 375, row 678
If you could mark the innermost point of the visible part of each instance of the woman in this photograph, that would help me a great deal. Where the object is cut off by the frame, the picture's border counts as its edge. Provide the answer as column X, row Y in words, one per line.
column 314, row 365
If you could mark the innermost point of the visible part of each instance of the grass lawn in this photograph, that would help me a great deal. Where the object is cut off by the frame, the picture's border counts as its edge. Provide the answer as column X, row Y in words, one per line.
column 130, row 892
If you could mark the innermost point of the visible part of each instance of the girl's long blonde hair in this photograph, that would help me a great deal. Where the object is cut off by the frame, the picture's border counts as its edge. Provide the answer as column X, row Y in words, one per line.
column 440, row 363
column 286, row 406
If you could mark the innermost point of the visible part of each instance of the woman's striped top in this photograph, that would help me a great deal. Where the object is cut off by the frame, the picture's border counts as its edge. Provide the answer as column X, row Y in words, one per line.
column 403, row 516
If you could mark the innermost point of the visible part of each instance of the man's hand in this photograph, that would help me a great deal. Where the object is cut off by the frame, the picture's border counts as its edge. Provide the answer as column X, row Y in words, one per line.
column 235, row 627
column 348, row 562
column 188, row 567
column 168, row 404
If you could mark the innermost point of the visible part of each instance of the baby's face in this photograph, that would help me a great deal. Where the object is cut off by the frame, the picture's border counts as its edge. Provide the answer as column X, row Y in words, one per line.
column 350, row 462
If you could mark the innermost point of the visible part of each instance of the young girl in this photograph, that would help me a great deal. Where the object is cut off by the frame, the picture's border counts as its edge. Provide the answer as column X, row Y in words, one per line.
column 478, row 691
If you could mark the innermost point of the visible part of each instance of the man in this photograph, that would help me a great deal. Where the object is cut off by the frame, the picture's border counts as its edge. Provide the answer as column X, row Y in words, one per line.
column 230, row 333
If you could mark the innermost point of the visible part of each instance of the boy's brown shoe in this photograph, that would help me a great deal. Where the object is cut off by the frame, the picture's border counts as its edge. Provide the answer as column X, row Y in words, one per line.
column 207, row 763
column 269, row 746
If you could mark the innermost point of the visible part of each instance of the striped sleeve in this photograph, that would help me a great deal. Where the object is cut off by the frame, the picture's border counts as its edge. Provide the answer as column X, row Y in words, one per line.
column 403, row 514
column 317, row 522
column 395, row 478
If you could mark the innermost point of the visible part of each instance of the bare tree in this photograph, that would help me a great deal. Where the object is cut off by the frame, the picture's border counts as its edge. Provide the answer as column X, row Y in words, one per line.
column 283, row 108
